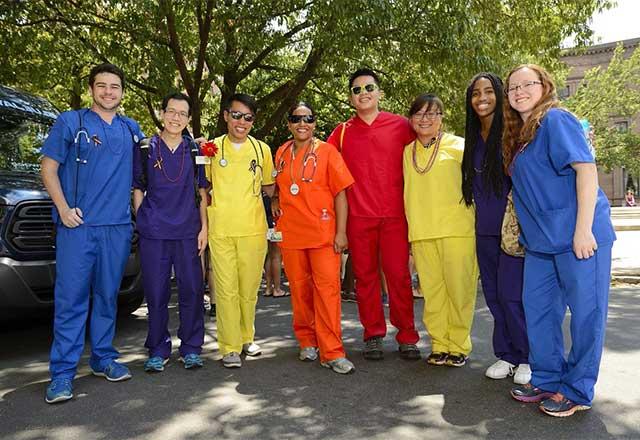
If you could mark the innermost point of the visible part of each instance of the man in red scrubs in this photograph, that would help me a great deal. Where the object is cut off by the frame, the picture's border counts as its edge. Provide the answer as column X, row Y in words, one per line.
column 372, row 143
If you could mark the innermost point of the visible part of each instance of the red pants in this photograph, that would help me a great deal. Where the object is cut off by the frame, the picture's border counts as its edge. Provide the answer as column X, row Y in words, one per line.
column 369, row 238
column 314, row 279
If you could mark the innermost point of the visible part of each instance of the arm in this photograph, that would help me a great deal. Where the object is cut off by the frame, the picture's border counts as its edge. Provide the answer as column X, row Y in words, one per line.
column 138, row 196
column 70, row 217
column 584, row 243
column 269, row 189
column 340, row 243
column 203, row 235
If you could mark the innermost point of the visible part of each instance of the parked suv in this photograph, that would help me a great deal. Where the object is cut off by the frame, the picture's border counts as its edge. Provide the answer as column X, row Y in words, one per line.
column 27, row 244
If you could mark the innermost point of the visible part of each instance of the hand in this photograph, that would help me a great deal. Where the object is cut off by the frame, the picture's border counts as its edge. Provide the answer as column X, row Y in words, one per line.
column 203, row 236
column 201, row 140
column 340, row 243
column 72, row 217
column 584, row 244
column 275, row 207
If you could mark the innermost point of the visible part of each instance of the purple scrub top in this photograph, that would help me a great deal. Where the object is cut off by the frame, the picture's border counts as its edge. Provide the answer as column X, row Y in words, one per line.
column 169, row 210
column 489, row 208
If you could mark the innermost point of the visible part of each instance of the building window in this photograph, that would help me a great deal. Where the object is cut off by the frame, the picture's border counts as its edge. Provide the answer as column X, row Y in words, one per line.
column 622, row 126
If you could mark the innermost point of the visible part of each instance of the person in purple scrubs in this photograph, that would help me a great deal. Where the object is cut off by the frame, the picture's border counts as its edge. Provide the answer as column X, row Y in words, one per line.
column 485, row 184
column 170, row 203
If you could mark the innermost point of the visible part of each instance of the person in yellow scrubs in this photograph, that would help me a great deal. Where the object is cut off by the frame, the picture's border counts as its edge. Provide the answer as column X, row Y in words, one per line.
column 441, row 232
column 239, row 171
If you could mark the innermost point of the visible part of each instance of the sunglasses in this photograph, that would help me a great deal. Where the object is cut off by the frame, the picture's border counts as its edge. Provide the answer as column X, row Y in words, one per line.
column 366, row 88
column 249, row 117
column 295, row 119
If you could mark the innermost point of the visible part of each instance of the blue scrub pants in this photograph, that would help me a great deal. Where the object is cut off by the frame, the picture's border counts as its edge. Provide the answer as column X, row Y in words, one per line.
column 90, row 261
column 157, row 257
column 551, row 283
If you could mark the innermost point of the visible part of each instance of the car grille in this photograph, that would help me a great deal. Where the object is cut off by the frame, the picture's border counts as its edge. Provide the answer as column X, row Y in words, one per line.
column 30, row 228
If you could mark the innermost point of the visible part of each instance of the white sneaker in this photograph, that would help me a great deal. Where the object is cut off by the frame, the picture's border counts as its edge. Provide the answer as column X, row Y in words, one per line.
column 500, row 370
column 308, row 354
column 251, row 349
column 340, row 365
column 523, row 374
column 232, row 360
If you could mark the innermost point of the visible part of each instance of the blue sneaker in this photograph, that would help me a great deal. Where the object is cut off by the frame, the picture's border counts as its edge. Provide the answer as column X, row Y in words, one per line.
column 155, row 364
column 59, row 390
column 192, row 360
column 114, row 372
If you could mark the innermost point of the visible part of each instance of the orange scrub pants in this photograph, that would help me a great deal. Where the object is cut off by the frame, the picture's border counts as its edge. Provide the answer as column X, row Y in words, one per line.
column 314, row 279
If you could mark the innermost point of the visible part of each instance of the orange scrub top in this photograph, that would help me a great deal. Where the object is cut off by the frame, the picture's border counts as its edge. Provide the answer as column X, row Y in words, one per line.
column 309, row 218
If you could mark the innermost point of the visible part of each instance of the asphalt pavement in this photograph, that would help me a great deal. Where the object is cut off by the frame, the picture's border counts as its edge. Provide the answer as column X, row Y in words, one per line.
column 275, row 396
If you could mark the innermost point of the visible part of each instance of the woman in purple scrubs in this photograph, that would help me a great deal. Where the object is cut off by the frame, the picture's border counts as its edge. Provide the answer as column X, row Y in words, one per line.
column 485, row 184
column 172, row 223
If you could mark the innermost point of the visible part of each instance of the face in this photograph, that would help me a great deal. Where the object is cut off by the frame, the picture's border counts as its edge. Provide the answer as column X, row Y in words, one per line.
column 238, row 129
column 483, row 98
column 106, row 92
column 365, row 100
column 427, row 122
column 526, row 91
column 176, row 116
column 302, row 131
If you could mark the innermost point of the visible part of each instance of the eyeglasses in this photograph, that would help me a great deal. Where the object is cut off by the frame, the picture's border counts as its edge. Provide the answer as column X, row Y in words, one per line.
column 171, row 113
column 525, row 87
column 366, row 88
column 426, row 115
column 249, row 117
column 295, row 119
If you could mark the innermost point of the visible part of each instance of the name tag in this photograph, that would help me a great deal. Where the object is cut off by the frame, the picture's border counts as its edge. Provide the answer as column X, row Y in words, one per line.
column 203, row 160
column 273, row 235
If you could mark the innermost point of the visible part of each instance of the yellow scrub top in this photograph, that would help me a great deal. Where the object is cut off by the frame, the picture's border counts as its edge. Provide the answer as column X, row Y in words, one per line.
column 237, row 209
column 433, row 201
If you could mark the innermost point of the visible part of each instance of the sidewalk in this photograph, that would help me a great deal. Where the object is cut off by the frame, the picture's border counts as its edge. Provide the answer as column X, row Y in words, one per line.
column 625, row 265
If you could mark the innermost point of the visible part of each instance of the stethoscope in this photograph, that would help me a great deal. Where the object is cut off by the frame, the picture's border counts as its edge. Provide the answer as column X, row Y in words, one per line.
column 310, row 155
column 254, row 166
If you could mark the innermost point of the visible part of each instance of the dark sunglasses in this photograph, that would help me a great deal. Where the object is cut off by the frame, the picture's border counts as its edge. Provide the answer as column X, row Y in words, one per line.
column 249, row 117
column 366, row 88
column 295, row 119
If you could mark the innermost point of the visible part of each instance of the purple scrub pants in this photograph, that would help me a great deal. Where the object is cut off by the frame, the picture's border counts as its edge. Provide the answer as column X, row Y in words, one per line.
column 501, row 277
column 157, row 257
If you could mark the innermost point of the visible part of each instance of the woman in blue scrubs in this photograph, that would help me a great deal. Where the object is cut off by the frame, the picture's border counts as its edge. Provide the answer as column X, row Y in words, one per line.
column 567, row 235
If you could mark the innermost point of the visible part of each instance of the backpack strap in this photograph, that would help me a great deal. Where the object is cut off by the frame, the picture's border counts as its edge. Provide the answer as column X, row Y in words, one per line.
column 194, row 150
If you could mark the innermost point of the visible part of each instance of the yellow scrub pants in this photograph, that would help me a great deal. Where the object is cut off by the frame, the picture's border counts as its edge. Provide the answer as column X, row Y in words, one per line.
column 237, row 267
column 448, row 273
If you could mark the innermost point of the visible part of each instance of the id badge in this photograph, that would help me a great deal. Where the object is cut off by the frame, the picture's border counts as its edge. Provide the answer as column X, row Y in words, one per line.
column 274, row 236
column 203, row 160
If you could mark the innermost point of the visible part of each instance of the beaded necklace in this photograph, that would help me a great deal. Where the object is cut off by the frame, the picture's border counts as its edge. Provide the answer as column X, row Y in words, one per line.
column 160, row 160
column 432, row 158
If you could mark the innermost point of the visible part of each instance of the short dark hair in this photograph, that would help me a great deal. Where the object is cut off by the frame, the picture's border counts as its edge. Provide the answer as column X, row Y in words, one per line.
column 106, row 68
column 299, row 104
column 428, row 99
column 245, row 99
column 363, row 72
column 178, row 97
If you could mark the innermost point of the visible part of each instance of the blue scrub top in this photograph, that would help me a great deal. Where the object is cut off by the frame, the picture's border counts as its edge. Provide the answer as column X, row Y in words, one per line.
column 104, row 182
column 168, row 210
column 544, row 187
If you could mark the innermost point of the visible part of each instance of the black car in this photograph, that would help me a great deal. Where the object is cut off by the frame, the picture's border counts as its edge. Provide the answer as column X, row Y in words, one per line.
column 27, row 243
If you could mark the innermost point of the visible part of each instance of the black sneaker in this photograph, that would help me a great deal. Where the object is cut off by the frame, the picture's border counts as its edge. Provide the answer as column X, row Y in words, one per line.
column 349, row 297
column 373, row 349
column 409, row 352
column 437, row 358
column 456, row 360
column 212, row 310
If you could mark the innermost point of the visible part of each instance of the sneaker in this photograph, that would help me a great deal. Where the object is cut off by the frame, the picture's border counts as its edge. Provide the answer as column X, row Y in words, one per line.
column 349, row 297
column 373, row 349
column 529, row 394
column 500, row 370
column 437, row 358
column 212, row 310
column 155, row 364
column 308, row 354
column 340, row 366
column 456, row 360
column 523, row 374
column 232, row 360
column 59, row 390
column 251, row 349
column 409, row 352
column 192, row 360
column 114, row 372
column 559, row 406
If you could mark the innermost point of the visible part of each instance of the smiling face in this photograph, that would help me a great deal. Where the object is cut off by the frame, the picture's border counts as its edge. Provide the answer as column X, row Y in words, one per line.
column 175, row 117
column 427, row 121
column 106, row 92
column 526, row 91
column 365, row 101
column 238, row 129
column 302, row 131
column 483, row 98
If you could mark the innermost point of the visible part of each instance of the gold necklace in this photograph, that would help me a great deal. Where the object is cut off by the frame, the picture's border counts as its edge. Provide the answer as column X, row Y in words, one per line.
column 432, row 158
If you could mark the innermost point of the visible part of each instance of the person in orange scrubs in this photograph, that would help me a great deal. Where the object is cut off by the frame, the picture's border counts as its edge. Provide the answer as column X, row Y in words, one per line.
column 311, row 210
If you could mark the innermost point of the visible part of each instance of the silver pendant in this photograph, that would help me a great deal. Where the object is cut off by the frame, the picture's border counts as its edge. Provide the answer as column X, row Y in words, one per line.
column 294, row 189
column 274, row 174
column 223, row 162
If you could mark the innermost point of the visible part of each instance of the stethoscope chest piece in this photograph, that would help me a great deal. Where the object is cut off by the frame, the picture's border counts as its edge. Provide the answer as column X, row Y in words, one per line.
column 223, row 162
column 294, row 189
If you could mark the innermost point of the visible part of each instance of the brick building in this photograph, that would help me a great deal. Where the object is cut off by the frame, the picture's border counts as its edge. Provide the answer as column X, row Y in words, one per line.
column 614, row 184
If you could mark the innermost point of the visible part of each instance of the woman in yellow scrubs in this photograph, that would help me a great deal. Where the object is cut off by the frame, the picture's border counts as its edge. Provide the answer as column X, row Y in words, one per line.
column 441, row 232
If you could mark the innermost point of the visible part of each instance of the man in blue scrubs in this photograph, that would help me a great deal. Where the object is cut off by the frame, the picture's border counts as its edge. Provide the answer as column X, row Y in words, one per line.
column 87, row 169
